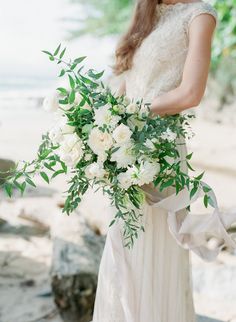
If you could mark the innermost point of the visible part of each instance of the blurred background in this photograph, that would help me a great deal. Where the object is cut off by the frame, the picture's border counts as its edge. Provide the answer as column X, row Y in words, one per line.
column 29, row 226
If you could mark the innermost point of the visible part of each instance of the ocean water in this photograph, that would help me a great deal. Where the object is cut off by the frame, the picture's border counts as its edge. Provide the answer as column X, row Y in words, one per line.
column 26, row 28
column 26, row 75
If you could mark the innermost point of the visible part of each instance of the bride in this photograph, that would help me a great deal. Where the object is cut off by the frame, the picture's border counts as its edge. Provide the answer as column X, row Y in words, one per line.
column 164, row 58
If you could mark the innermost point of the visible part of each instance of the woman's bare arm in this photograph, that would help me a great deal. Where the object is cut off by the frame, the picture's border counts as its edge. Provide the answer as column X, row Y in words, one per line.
column 196, row 69
column 122, row 89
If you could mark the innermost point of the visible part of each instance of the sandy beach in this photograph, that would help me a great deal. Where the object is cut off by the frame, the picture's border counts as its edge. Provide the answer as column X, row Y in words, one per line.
column 25, row 244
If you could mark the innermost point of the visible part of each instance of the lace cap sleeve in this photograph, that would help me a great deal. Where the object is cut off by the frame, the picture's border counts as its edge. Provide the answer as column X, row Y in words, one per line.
column 202, row 8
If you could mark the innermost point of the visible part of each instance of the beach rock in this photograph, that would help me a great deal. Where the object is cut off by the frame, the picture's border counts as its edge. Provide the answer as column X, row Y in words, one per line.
column 35, row 212
column 5, row 165
column 215, row 287
column 77, row 251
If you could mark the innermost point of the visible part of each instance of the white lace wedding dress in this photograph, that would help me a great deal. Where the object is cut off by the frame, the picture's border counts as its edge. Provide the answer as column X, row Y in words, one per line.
column 152, row 282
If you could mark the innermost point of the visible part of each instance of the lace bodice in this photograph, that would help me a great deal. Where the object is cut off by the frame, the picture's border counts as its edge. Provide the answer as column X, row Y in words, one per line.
column 158, row 63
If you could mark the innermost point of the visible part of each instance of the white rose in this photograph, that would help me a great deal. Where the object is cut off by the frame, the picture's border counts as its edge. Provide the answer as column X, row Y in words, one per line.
column 131, row 108
column 145, row 173
column 134, row 122
column 168, row 135
column 99, row 141
column 103, row 116
column 51, row 102
column 71, row 149
column 124, row 179
column 124, row 156
column 94, row 170
column 150, row 145
column 55, row 135
column 88, row 157
column 122, row 134
column 102, row 158
column 66, row 128
column 155, row 140
column 57, row 132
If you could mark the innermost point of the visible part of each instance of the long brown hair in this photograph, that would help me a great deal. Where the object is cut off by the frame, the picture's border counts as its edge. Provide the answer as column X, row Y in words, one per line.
column 141, row 25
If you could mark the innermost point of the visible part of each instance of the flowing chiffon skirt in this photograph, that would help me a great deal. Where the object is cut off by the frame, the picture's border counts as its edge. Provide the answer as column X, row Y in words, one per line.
column 156, row 285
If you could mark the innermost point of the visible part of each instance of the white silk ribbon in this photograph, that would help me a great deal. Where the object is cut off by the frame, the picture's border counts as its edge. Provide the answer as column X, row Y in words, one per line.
column 191, row 232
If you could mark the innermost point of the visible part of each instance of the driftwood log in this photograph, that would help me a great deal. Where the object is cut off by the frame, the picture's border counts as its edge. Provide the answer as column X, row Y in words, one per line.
column 77, row 251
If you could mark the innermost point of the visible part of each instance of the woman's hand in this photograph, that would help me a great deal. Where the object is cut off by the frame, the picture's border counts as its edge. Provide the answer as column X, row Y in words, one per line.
column 195, row 73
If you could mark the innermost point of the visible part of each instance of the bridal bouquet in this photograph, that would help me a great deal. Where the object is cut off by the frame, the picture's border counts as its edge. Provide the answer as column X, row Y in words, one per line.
column 104, row 140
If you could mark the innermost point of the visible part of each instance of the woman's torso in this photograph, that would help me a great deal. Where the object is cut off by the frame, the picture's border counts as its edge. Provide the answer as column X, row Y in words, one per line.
column 158, row 63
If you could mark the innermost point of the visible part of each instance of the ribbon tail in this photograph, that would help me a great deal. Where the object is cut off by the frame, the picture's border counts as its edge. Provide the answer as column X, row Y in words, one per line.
column 193, row 231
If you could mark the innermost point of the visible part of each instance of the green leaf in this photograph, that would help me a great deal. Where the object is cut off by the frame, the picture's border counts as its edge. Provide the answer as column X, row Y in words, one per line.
column 48, row 166
column 57, row 50
column 30, row 182
column 8, row 189
column 189, row 156
column 112, row 222
column 200, row 176
column 64, row 167
column 17, row 185
column 72, row 82
column 56, row 173
column 23, row 186
column 72, row 67
column 167, row 184
column 193, row 191
column 62, row 90
column 182, row 180
column 157, row 181
column 142, row 137
column 62, row 53
column 62, row 73
column 177, row 186
column 44, row 176
column 72, row 97
column 189, row 166
column 47, row 52
column 18, row 175
column 44, row 154
column 79, row 60
column 95, row 75
column 206, row 189
column 20, row 186
column 205, row 200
